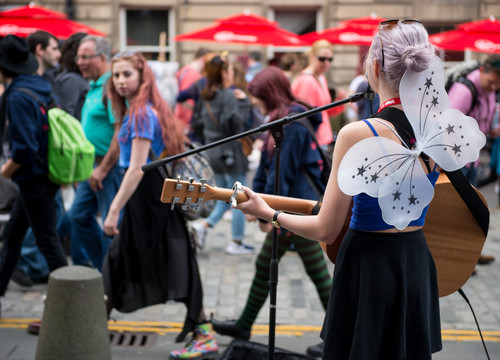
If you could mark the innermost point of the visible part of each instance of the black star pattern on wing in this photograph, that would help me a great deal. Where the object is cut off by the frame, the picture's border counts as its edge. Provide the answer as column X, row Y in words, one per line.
column 412, row 200
column 450, row 129
column 397, row 195
column 361, row 170
column 434, row 101
column 456, row 148
column 374, row 177
column 428, row 82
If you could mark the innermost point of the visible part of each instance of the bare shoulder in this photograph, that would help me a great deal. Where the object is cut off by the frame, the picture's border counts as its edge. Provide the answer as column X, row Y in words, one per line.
column 353, row 133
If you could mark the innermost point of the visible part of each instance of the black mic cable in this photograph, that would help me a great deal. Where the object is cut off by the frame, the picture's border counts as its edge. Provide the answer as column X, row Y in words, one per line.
column 461, row 292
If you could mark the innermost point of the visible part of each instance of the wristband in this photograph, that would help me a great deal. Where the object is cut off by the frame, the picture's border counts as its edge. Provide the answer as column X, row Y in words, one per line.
column 275, row 221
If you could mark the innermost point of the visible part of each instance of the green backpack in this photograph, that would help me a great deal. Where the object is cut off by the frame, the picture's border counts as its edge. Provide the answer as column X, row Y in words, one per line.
column 70, row 155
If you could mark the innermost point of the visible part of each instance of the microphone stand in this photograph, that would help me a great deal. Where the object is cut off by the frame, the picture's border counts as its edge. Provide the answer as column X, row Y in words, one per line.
column 276, row 129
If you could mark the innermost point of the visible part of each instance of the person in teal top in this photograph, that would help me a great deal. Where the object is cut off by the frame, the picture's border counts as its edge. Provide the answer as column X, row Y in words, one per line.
column 88, row 242
column 97, row 120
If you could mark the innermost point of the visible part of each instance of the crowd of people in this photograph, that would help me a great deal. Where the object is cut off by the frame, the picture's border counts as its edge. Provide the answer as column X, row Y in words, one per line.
column 147, row 255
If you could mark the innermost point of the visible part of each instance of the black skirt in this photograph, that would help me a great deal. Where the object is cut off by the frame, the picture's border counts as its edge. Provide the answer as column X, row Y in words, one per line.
column 384, row 302
column 152, row 259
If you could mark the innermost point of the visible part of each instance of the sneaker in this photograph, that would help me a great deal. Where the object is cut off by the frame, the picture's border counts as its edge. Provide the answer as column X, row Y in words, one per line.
column 21, row 278
column 202, row 346
column 199, row 231
column 485, row 259
column 230, row 328
column 34, row 327
column 315, row 350
column 239, row 249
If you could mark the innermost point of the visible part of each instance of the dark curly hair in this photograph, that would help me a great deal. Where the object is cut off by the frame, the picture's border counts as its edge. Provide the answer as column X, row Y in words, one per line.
column 68, row 53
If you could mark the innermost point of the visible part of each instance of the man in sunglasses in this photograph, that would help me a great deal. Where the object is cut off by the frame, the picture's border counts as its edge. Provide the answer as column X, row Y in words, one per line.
column 94, row 195
column 480, row 106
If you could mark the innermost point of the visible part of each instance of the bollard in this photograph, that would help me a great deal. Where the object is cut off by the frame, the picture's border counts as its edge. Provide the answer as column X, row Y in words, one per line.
column 74, row 322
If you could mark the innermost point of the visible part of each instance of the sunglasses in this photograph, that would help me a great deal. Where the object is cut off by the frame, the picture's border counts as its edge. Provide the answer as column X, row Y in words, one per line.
column 324, row 58
column 391, row 23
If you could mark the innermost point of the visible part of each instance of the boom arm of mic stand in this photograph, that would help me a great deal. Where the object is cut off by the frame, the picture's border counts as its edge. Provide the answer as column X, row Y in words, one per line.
column 261, row 129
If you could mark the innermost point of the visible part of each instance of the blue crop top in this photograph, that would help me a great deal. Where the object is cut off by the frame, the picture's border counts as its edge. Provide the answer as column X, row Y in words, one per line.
column 366, row 213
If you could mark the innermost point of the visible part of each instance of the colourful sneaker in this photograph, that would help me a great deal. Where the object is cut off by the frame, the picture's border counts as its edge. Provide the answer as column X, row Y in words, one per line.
column 202, row 346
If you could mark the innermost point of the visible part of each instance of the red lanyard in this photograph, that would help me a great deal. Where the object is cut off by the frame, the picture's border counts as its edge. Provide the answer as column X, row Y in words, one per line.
column 390, row 102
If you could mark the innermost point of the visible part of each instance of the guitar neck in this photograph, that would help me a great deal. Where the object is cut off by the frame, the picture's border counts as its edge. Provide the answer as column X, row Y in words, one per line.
column 292, row 205
column 185, row 192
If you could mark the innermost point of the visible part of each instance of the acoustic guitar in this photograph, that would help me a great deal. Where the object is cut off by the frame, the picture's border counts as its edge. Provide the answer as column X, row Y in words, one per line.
column 453, row 235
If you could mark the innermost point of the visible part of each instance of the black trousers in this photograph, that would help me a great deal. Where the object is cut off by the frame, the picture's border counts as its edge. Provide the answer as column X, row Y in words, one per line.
column 35, row 206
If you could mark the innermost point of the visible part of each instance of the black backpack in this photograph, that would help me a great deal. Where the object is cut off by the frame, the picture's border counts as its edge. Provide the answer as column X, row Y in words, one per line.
column 458, row 73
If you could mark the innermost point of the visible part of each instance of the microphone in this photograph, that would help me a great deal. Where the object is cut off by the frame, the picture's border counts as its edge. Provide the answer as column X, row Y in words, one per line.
column 369, row 93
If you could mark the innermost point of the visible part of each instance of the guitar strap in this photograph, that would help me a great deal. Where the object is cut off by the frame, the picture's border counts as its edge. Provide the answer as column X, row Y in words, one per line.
column 476, row 206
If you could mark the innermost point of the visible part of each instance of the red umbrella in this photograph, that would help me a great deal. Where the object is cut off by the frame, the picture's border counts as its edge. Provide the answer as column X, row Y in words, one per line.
column 466, row 40
column 480, row 36
column 490, row 25
column 244, row 29
column 28, row 19
column 359, row 31
column 33, row 11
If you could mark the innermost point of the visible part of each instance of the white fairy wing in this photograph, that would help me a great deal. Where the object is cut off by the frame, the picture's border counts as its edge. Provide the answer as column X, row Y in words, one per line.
column 423, row 97
column 448, row 136
column 404, row 194
column 454, row 140
column 368, row 163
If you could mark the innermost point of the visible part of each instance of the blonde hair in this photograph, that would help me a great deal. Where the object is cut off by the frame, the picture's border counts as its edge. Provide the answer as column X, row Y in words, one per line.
column 320, row 44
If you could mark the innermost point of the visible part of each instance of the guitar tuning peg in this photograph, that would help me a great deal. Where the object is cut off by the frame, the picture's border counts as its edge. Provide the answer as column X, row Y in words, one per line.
column 188, row 200
column 185, row 207
column 191, row 187
column 174, row 201
column 203, row 188
column 178, row 186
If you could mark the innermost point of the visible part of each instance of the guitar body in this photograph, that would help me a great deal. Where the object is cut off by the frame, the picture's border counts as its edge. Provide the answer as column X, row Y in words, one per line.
column 453, row 235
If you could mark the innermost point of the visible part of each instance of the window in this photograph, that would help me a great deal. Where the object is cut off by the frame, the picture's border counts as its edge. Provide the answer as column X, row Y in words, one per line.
column 144, row 29
column 299, row 20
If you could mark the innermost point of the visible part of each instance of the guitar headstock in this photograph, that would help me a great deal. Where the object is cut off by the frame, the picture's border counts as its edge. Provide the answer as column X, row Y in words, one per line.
column 188, row 193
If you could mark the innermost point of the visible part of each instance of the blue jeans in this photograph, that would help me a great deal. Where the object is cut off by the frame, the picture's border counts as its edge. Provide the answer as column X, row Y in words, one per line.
column 86, row 233
column 238, row 222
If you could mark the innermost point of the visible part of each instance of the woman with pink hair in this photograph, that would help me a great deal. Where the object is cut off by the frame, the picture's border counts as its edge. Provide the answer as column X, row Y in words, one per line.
column 151, row 259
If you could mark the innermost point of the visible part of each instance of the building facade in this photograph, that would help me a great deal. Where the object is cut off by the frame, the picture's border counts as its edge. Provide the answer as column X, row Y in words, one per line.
column 150, row 25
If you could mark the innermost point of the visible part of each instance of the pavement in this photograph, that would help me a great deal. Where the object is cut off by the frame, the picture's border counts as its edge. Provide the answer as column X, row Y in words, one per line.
column 226, row 280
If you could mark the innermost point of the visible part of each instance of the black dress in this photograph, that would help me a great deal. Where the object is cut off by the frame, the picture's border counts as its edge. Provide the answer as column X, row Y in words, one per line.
column 152, row 259
column 384, row 302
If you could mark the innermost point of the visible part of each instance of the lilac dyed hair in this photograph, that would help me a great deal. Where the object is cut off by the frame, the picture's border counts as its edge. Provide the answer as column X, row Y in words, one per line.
column 406, row 47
